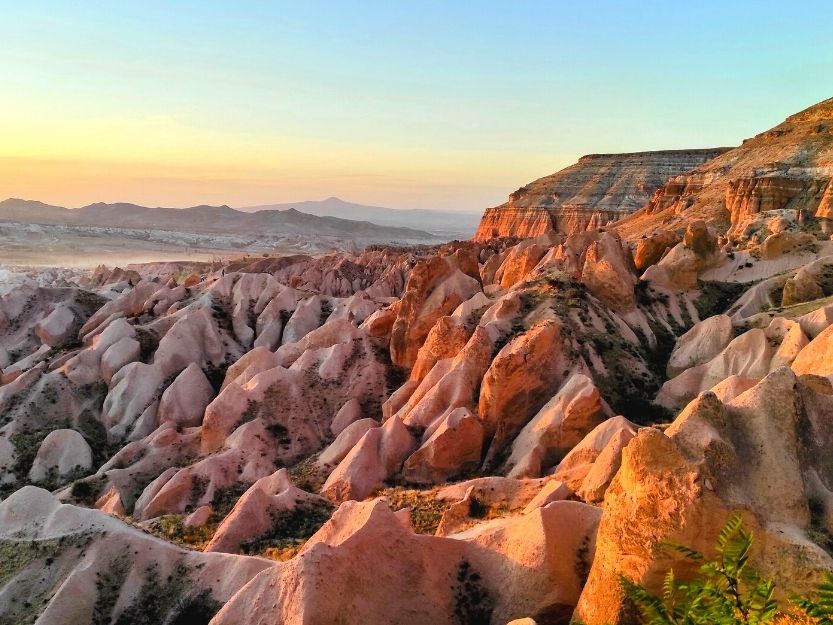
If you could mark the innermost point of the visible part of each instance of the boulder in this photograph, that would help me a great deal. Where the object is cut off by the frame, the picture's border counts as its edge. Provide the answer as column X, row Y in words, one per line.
column 650, row 249
column 699, row 239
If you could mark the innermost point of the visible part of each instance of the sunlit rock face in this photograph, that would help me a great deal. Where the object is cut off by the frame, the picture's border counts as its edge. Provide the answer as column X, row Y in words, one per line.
column 788, row 167
column 600, row 188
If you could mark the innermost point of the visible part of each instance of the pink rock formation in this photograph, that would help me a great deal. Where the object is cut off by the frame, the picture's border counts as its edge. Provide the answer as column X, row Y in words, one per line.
column 267, row 504
column 597, row 189
column 434, row 289
column 559, row 426
column 378, row 455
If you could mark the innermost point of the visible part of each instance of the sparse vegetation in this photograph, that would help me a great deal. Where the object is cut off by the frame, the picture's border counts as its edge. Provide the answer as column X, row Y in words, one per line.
column 426, row 510
column 717, row 297
column 726, row 590
column 290, row 529
column 172, row 600
column 473, row 605
column 171, row 527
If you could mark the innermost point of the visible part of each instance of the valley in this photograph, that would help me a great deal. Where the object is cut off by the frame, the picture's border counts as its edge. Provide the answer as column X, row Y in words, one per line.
column 375, row 425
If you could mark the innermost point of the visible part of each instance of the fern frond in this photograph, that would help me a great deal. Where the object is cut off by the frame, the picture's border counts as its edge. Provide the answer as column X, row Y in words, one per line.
column 688, row 552
column 728, row 532
column 668, row 587
column 652, row 608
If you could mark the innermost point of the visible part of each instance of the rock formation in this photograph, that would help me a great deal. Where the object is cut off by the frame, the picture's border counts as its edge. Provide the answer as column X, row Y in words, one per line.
column 786, row 168
column 598, row 189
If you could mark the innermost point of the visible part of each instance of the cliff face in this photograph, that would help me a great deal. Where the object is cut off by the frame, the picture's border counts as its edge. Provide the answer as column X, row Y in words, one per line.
column 787, row 167
column 598, row 189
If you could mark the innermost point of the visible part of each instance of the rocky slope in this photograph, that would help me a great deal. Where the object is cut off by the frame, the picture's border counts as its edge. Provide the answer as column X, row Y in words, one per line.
column 598, row 189
column 788, row 167
column 472, row 433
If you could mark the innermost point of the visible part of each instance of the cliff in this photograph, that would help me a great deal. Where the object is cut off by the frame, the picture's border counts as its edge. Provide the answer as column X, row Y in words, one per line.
column 598, row 189
column 787, row 167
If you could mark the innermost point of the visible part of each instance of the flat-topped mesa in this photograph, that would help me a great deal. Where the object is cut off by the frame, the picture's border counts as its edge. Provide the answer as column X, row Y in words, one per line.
column 598, row 189
column 788, row 167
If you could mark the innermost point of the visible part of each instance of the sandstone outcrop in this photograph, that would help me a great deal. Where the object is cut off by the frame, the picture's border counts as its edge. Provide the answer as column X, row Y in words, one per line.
column 269, row 504
column 63, row 550
column 557, row 428
column 700, row 344
column 434, row 289
column 680, row 486
column 598, row 189
column 785, row 168
column 505, row 397
column 376, row 457
column 493, row 575
column 62, row 453
column 752, row 355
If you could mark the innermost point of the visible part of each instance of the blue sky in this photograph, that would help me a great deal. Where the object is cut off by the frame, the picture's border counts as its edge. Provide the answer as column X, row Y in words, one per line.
column 428, row 104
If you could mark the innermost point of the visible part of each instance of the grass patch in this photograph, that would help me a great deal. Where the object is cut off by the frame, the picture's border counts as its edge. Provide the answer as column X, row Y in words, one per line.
column 171, row 527
column 426, row 510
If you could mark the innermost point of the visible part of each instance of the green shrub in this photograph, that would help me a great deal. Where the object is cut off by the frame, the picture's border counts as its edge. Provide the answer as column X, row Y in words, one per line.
column 726, row 591
column 820, row 607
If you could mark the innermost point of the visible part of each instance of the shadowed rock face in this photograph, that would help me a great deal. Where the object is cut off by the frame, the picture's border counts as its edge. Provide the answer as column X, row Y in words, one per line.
column 598, row 189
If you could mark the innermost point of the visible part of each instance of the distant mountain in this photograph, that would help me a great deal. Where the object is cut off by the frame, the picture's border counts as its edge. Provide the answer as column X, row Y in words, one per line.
column 32, row 211
column 208, row 220
column 460, row 224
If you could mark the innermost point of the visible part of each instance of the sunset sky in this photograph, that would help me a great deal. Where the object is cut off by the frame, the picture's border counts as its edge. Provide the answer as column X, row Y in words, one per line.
column 405, row 104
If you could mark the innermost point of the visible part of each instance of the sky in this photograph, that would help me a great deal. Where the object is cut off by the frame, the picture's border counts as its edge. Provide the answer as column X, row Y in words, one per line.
column 448, row 105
